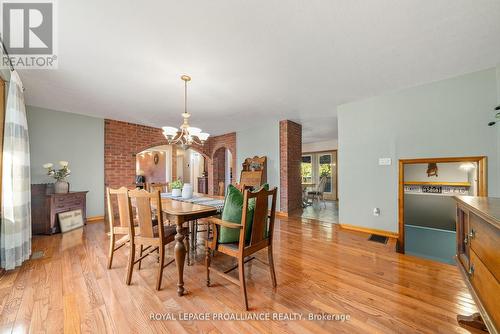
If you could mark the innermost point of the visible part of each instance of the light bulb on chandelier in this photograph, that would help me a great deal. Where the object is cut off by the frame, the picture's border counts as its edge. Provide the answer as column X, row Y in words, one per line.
column 187, row 135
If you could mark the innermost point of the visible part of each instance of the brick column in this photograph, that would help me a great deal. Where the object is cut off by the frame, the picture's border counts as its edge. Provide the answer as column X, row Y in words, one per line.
column 290, row 158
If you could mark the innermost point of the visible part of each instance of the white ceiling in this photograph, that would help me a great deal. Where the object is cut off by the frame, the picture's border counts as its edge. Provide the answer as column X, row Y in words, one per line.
column 256, row 60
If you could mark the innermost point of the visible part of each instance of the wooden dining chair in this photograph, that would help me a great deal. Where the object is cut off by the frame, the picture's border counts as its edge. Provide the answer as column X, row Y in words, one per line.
column 121, row 230
column 159, row 186
column 318, row 194
column 260, row 236
column 149, row 237
column 221, row 188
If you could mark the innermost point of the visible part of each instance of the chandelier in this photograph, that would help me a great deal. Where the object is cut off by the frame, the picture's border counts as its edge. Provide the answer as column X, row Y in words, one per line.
column 186, row 135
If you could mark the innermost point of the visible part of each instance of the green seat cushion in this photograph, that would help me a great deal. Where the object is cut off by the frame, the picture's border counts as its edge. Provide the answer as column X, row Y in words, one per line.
column 233, row 207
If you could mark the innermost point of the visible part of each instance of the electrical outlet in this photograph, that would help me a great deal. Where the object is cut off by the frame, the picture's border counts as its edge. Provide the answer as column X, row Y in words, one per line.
column 384, row 161
column 376, row 212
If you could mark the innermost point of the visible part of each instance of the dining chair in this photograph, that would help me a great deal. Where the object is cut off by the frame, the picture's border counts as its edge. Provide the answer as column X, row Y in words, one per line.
column 318, row 194
column 162, row 187
column 221, row 188
column 149, row 237
column 120, row 231
column 259, row 236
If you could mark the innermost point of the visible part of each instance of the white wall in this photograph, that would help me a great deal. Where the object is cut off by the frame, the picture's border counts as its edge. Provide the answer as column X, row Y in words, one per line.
column 264, row 140
column 447, row 172
column 78, row 139
column 319, row 146
column 442, row 119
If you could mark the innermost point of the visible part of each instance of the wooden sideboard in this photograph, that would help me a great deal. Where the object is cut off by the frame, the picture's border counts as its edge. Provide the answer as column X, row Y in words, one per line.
column 478, row 258
column 45, row 205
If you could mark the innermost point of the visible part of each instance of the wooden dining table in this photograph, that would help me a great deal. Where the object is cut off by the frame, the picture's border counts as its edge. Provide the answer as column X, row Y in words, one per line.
column 179, row 212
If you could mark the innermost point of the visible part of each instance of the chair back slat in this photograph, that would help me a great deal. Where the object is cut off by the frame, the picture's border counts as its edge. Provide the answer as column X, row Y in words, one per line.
column 142, row 201
column 322, row 185
column 262, row 223
column 222, row 188
column 123, row 206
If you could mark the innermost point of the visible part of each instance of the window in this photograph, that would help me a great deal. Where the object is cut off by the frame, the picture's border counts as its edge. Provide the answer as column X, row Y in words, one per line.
column 306, row 168
column 325, row 170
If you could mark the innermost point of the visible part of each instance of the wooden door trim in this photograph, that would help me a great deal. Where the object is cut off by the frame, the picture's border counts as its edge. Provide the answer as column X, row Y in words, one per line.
column 482, row 186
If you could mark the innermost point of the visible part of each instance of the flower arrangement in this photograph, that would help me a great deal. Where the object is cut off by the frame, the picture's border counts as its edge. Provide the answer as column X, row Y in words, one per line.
column 177, row 184
column 58, row 174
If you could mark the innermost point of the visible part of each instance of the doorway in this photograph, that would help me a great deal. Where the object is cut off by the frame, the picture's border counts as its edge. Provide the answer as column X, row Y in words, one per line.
column 319, row 174
column 426, row 205
column 191, row 166
column 155, row 164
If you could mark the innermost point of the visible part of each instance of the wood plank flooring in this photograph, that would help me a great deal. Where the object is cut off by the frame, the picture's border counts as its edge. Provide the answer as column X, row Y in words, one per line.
column 320, row 269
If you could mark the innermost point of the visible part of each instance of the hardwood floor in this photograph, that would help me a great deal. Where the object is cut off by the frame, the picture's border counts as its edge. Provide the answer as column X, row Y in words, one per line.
column 317, row 211
column 320, row 269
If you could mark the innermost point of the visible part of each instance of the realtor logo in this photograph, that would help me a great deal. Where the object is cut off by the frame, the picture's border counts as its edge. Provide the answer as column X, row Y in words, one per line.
column 28, row 33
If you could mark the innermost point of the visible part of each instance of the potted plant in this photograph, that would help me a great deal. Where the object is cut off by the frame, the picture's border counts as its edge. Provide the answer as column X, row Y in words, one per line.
column 60, row 186
column 176, row 188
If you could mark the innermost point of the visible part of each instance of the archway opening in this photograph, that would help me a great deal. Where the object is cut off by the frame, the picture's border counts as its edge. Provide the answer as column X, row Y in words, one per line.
column 154, row 165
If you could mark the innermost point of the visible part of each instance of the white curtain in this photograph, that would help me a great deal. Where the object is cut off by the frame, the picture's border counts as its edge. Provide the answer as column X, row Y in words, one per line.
column 15, row 232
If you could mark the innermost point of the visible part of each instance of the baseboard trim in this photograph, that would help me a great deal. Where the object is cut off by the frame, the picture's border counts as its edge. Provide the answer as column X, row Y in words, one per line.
column 95, row 219
column 384, row 233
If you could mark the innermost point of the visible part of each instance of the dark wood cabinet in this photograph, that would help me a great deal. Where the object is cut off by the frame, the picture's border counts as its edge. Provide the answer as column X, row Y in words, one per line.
column 478, row 258
column 46, row 205
column 203, row 185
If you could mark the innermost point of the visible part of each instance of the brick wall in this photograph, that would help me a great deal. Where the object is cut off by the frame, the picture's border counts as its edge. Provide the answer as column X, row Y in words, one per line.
column 219, row 168
column 122, row 141
column 290, row 158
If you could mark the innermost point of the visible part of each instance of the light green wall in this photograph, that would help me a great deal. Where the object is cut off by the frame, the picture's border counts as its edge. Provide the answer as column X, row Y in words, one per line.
column 442, row 119
column 264, row 140
column 78, row 139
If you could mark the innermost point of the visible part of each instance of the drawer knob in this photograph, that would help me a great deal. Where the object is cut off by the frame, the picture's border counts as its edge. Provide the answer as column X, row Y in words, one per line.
column 472, row 234
column 471, row 270
column 466, row 240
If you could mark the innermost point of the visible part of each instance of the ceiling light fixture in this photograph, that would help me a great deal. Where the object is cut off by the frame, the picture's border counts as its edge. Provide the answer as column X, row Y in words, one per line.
column 186, row 135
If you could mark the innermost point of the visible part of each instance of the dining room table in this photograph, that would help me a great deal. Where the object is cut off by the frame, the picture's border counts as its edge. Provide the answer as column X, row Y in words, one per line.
column 179, row 211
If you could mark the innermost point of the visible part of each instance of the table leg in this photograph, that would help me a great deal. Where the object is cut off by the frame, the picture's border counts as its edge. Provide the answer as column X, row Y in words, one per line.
column 180, row 256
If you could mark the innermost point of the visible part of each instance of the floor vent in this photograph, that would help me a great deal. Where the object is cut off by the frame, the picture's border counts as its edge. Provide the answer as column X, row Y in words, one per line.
column 37, row 255
column 378, row 238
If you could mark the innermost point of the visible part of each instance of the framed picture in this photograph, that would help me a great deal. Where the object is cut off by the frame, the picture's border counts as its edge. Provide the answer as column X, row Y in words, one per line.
column 70, row 220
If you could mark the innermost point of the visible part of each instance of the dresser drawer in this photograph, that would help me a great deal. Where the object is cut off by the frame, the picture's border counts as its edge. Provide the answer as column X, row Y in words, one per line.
column 61, row 202
column 484, row 242
column 486, row 287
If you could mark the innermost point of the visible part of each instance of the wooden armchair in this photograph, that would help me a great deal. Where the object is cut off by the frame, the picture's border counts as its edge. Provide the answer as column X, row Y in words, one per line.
column 261, row 236
column 149, row 237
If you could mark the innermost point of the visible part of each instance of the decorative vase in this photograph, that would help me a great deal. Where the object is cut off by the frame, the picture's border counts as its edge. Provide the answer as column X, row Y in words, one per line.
column 61, row 187
column 187, row 191
column 176, row 192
